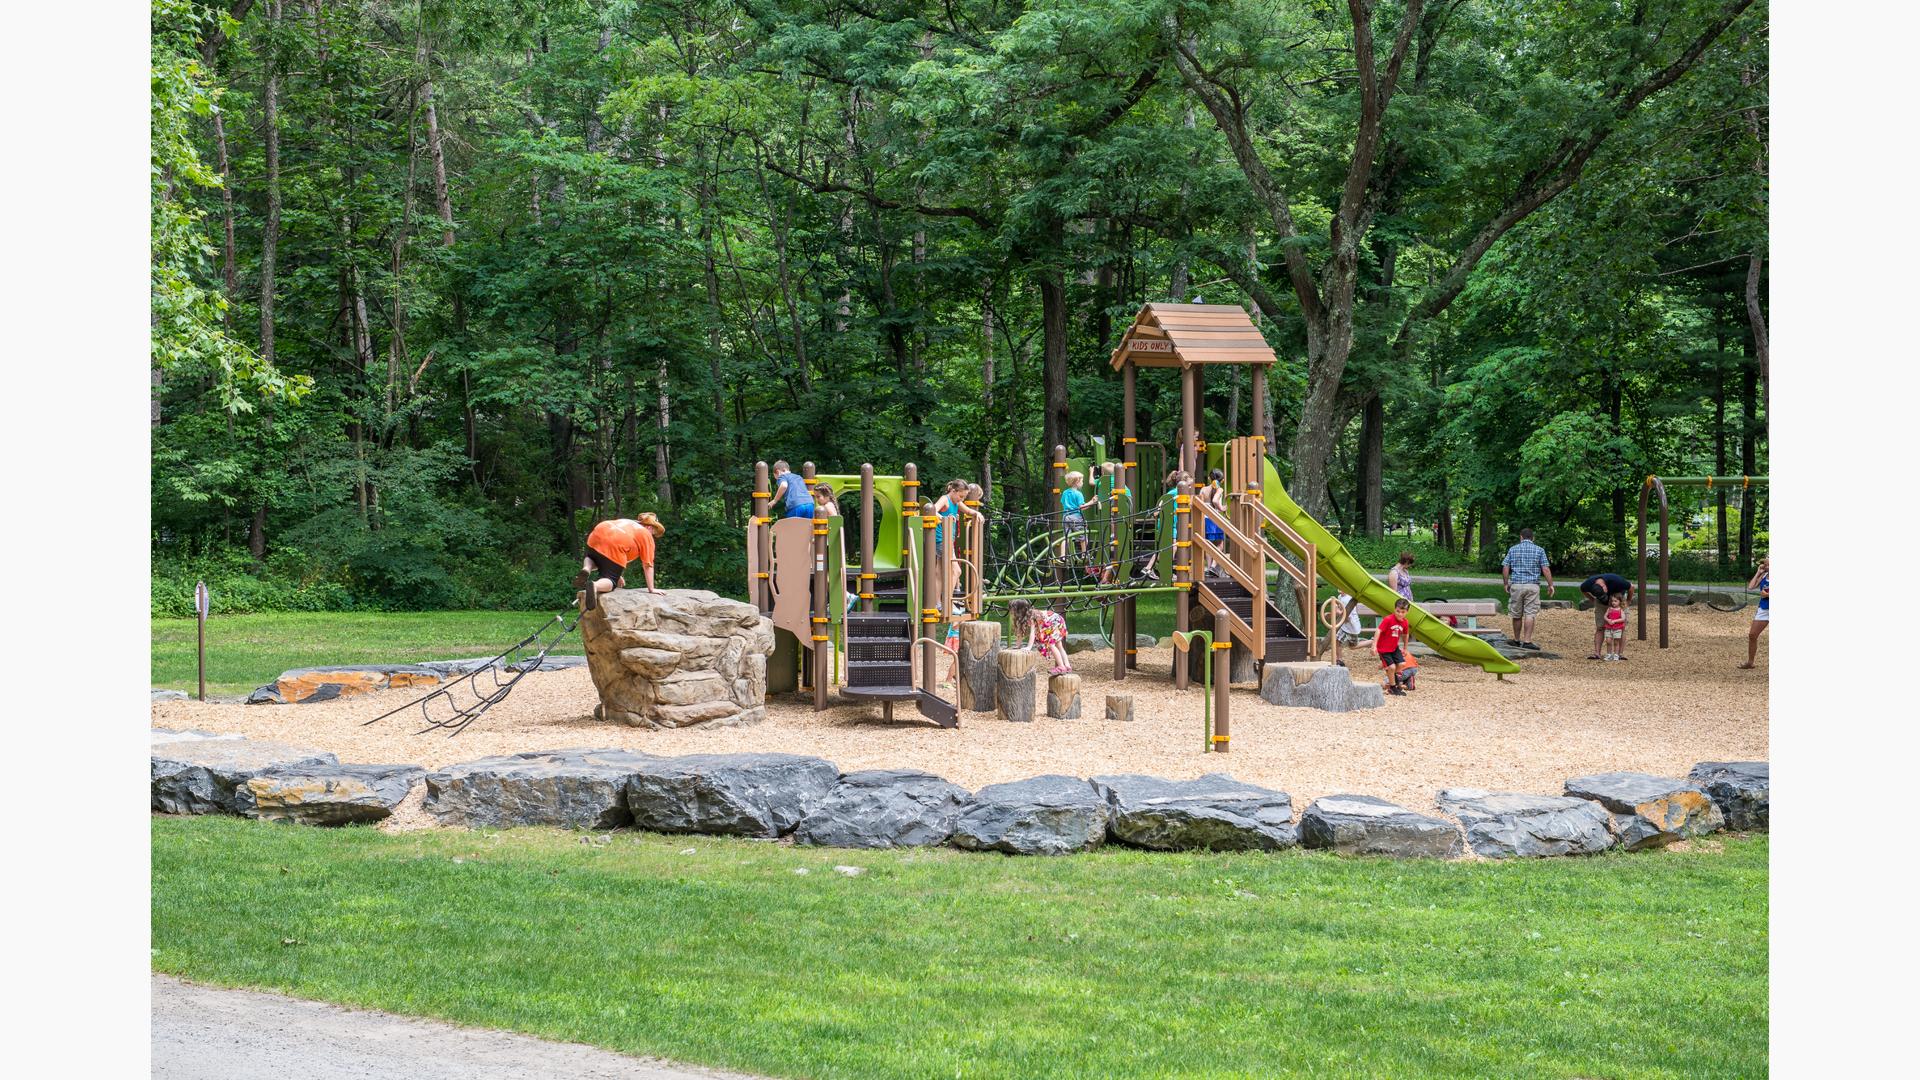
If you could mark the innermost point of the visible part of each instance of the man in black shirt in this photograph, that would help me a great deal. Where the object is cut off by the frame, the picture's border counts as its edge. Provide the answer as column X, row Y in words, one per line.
column 1600, row 588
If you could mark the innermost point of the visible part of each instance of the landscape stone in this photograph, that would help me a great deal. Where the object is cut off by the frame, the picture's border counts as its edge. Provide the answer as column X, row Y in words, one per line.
column 884, row 808
column 1364, row 825
column 1317, row 684
column 764, row 795
column 1650, row 811
column 308, row 685
column 1214, row 813
column 266, row 695
column 1043, row 815
column 1738, row 788
column 326, row 794
column 163, row 736
column 1506, row 825
column 572, row 788
column 198, row 776
column 168, row 695
column 675, row 658
column 1079, row 643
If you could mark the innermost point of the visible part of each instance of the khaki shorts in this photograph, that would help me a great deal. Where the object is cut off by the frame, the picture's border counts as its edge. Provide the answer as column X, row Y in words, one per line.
column 1523, row 601
column 1599, row 616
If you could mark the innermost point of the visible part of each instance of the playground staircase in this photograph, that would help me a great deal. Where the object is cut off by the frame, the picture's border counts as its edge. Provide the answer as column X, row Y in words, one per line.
column 1284, row 641
column 879, row 664
column 889, row 589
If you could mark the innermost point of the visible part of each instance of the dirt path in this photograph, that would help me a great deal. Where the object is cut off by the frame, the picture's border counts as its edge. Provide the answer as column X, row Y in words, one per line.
column 205, row 1032
column 1659, row 712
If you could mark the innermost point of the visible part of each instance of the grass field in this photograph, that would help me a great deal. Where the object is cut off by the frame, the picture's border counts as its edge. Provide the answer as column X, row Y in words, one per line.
column 941, row 963
column 244, row 651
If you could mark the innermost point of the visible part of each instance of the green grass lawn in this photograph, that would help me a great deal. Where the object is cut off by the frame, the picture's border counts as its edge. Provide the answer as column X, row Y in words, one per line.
column 244, row 651
column 943, row 963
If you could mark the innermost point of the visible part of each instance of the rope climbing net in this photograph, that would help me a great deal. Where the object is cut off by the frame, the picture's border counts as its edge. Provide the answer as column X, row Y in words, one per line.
column 1075, row 565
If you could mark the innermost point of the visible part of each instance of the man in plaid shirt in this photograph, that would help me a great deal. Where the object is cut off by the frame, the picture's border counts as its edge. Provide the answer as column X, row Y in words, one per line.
column 1521, row 572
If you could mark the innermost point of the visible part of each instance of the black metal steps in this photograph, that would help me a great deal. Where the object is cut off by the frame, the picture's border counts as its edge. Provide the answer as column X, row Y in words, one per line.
column 1284, row 641
column 879, row 665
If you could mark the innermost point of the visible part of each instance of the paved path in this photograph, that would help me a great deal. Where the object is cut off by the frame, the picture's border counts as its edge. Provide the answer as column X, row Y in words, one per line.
column 203, row 1032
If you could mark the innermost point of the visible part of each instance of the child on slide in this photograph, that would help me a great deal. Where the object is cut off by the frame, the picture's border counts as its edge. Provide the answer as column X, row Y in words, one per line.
column 1043, row 629
column 1389, row 644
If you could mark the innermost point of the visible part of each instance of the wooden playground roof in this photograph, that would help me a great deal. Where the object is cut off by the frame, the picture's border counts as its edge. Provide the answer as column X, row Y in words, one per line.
column 1180, row 335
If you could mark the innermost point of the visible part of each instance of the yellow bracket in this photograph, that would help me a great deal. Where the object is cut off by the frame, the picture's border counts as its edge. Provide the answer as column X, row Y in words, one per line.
column 866, row 596
column 1223, row 644
column 1129, row 439
column 820, row 618
column 868, row 577
column 822, row 637
column 763, row 494
column 761, row 574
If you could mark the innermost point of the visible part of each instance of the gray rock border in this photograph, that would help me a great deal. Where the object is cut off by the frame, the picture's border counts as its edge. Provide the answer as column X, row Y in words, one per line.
column 1472, row 838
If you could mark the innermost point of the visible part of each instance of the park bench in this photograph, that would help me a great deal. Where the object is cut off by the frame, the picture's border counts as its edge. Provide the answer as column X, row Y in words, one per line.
column 1470, row 612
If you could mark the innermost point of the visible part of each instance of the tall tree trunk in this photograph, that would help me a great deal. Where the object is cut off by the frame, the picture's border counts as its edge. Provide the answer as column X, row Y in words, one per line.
column 1489, row 540
column 1053, row 372
column 1369, row 488
column 257, row 534
column 986, row 389
column 1723, row 555
column 1749, row 453
column 270, row 230
column 1619, row 545
column 662, row 466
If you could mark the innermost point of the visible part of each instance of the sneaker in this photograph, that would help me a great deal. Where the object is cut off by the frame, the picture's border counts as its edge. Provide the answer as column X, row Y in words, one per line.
column 581, row 580
column 1396, row 691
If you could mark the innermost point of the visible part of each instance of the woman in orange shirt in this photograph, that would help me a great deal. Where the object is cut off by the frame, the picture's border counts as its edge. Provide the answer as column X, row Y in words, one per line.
column 613, row 546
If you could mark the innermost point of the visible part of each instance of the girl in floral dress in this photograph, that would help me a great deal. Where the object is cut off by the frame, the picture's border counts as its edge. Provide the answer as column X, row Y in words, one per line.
column 1044, row 630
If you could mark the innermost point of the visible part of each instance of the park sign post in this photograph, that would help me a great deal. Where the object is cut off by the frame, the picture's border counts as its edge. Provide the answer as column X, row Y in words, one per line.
column 201, row 601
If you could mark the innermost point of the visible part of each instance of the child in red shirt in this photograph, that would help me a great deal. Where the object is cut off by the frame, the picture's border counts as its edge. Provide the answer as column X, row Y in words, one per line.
column 1616, row 627
column 1389, row 641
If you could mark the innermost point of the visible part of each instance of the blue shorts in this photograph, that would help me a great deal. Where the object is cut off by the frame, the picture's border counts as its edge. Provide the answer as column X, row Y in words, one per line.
column 801, row 510
column 1214, row 533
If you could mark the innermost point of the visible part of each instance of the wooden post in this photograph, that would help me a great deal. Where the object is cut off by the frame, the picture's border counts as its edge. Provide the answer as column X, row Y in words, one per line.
column 822, row 638
column 1182, row 575
column 909, row 514
column 1199, row 422
column 1222, row 682
column 1120, row 707
column 1189, row 426
column 1013, row 694
column 762, row 540
column 1063, row 697
column 979, row 664
column 866, row 538
column 1259, row 403
column 1058, row 479
column 1123, row 616
column 202, row 602
column 931, row 579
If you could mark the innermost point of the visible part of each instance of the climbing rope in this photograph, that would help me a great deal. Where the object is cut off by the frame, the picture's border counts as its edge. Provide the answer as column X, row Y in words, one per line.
column 466, row 699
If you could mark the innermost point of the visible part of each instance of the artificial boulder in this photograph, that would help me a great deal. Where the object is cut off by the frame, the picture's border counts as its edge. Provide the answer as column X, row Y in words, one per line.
column 1650, row 811
column 764, row 795
column 1044, row 815
column 1364, row 825
column 979, row 664
column 326, row 794
column 1013, row 693
column 1063, row 696
column 1316, row 684
column 583, row 789
column 1120, row 707
column 884, row 808
column 677, row 658
column 199, row 775
column 1738, row 788
column 1214, row 813
column 1506, row 825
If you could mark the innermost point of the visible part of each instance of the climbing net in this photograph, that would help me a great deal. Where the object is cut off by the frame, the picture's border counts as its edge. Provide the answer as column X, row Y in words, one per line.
column 453, row 706
column 1075, row 565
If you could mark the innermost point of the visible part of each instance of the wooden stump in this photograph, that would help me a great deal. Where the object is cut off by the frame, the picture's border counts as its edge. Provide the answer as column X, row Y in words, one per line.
column 1120, row 706
column 1243, row 670
column 1013, row 689
column 1063, row 697
column 979, row 664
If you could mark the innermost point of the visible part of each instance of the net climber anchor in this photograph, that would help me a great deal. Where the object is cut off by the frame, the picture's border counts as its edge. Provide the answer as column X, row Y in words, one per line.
column 452, row 707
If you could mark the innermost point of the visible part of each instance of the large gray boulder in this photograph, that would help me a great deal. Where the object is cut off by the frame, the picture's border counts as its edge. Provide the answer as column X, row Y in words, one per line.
column 1214, row 813
column 1738, row 788
column 569, row 788
column 1043, row 815
column 677, row 658
column 1507, row 825
column 199, row 775
column 764, row 795
column 1316, row 684
column 884, row 808
column 1364, row 825
column 1650, row 811
column 326, row 794
column 1079, row 643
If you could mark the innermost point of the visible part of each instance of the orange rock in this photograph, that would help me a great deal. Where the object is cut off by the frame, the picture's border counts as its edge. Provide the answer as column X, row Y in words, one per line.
column 301, row 685
column 412, row 678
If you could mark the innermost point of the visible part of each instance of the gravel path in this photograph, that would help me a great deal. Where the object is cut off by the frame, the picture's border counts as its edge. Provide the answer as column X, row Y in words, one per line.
column 202, row 1031
column 1659, row 712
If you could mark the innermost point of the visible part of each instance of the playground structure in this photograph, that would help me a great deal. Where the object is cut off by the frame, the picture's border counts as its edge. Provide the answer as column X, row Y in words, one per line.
column 1658, row 485
column 1250, row 569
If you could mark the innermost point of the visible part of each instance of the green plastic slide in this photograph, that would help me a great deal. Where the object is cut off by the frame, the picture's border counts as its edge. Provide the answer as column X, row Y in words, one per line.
column 1345, row 571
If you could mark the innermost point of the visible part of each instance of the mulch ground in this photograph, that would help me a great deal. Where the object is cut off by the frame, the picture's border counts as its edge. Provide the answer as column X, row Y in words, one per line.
column 1658, row 711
